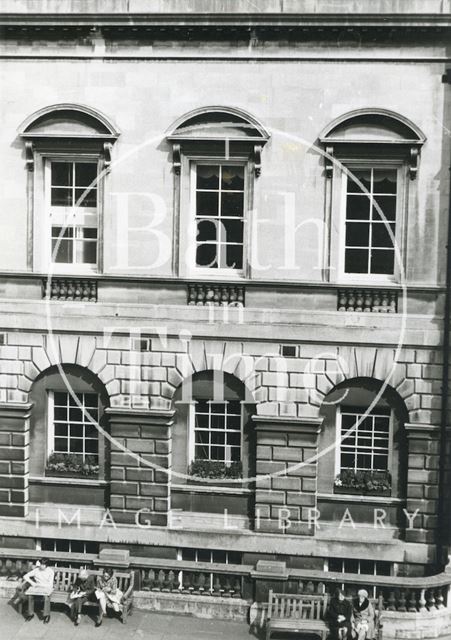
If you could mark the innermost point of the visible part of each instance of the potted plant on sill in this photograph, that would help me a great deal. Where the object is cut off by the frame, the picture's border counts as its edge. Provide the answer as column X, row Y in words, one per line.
column 200, row 470
column 67, row 465
column 375, row 483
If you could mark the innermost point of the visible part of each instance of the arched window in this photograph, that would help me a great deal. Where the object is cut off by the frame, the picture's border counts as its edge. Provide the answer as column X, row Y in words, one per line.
column 213, row 423
column 67, row 448
column 69, row 148
column 217, row 154
column 370, row 154
column 362, row 437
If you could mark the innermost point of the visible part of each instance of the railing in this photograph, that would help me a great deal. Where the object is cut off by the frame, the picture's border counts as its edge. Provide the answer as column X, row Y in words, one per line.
column 423, row 594
column 68, row 289
column 367, row 300
column 221, row 295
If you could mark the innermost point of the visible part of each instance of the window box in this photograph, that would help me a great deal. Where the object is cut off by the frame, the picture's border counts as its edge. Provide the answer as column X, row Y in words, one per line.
column 67, row 465
column 200, row 470
column 371, row 483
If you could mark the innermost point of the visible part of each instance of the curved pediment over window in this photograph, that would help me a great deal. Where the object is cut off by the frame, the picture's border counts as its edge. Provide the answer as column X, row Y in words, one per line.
column 218, row 123
column 372, row 126
column 68, row 121
column 57, row 126
column 375, row 128
column 207, row 126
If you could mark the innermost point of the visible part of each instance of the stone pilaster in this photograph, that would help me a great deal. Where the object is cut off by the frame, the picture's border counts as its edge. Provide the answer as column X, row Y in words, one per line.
column 14, row 457
column 423, row 461
column 286, row 480
column 139, row 470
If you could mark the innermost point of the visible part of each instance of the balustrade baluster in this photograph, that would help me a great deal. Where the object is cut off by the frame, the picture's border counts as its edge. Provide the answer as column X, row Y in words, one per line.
column 216, row 586
column 402, row 601
column 202, row 582
column 430, row 599
column 227, row 587
column 187, row 582
column 439, row 599
column 422, row 601
column 237, row 589
column 391, row 601
column 310, row 588
column 412, row 601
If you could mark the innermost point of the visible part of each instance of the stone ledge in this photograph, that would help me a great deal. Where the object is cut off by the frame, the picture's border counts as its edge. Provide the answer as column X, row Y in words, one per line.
column 209, row 607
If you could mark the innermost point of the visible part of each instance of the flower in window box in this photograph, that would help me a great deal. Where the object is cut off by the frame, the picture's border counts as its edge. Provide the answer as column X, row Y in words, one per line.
column 215, row 470
column 363, row 482
column 66, row 464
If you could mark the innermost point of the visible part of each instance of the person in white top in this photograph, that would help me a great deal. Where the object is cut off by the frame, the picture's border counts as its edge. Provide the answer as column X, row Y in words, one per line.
column 41, row 576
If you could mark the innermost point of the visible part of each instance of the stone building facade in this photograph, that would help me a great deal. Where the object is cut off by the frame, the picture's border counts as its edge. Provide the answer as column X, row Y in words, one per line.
column 119, row 123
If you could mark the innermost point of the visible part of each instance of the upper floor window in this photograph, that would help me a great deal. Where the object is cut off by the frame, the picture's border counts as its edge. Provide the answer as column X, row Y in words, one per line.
column 73, row 212
column 370, row 155
column 68, row 147
column 220, row 215
column 370, row 221
column 217, row 154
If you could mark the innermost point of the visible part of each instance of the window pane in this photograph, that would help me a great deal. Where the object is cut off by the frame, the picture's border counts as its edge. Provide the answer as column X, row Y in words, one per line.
column 77, row 546
column 60, row 398
column 60, row 429
column 62, row 251
column 381, row 236
column 232, row 204
column 382, row 261
column 359, row 175
column 234, row 438
column 90, row 400
column 77, row 430
column 358, row 208
column 201, row 452
column 232, row 178
column 61, row 174
column 356, row 261
column 218, row 437
column 60, row 413
column 207, row 203
column 384, row 180
column 90, row 431
column 84, row 198
column 387, row 206
column 91, row 446
column 206, row 256
column 217, row 453
column 75, row 414
column 86, row 252
column 76, row 445
column 61, row 444
column 217, row 422
column 85, row 173
column 234, row 257
column 207, row 230
column 61, row 197
column 357, row 234
column 231, row 231
column 217, row 407
column 207, row 176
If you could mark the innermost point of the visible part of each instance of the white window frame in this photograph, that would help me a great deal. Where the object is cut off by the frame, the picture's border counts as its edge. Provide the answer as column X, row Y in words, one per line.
column 189, row 227
column 359, row 572
column 338, row 439
column 51, row 425
column 69, row 214
column 192, row 422
column 401, row 200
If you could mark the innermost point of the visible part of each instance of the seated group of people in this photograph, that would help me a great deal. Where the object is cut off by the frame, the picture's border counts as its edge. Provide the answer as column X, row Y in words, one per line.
column 351, row 620
column 102, row 589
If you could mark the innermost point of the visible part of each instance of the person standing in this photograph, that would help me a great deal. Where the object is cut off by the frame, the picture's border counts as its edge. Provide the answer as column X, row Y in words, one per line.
column 83, row 590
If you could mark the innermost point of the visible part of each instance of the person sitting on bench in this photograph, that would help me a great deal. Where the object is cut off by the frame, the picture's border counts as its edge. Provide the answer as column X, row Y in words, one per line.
column 108, row 594
column 82, row 591
column 339, row 617
column 363, row 616
column 42, row 576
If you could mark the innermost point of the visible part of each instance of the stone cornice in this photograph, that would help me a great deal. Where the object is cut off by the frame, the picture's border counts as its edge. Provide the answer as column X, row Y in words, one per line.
column 422, row 431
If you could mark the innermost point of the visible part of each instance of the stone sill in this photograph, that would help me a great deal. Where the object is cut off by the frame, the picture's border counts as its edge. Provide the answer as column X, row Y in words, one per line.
column 73, row 480
column 210, row 488
column 361, row 499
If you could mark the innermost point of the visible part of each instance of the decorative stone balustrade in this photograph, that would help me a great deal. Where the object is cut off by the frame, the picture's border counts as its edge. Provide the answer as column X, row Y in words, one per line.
column 367, row 300
column 421, row 595
column 68, row 289
column 192, row 582
column 217, row 295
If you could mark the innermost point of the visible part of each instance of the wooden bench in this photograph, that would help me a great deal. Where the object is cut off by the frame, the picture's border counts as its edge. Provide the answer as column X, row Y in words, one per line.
column 297, row 614
column 65, row 579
